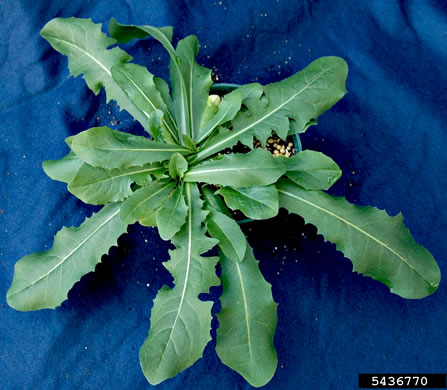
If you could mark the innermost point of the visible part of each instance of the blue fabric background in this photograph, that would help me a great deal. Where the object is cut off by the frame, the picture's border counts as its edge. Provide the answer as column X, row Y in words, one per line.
column 388, row 134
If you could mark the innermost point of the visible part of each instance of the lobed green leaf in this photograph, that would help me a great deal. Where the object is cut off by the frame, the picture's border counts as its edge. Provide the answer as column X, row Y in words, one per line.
column 42, row 280
column 180, row 321
column 378, row 245
column 86, row 47
column 247, row 321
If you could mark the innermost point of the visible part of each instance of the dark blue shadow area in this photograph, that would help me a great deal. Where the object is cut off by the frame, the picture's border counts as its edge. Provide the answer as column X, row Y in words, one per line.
column 389, row 135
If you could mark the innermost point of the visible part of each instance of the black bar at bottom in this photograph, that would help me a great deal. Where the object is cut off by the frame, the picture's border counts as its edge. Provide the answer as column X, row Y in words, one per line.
column 402, row 381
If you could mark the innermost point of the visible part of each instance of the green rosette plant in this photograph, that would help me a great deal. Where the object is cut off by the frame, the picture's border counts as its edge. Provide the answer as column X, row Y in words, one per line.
column 179, row 180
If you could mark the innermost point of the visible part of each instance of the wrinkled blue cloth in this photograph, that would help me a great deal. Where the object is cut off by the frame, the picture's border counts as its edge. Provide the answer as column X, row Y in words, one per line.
column 388, row 134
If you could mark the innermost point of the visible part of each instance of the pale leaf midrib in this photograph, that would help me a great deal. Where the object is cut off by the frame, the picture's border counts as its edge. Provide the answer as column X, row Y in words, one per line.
column 179, row 150
column 244, row 297
column 201, row 171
